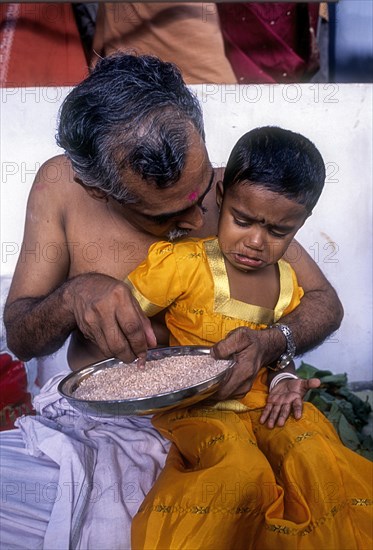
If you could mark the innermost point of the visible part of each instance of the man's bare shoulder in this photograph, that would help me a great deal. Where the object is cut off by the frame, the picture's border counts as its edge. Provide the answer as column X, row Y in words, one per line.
column 55, row 192
column 55, row 173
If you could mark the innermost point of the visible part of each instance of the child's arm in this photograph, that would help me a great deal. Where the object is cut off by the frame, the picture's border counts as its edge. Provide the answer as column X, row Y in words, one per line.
column 286, row 392
column 289, row 370
column 318, row 315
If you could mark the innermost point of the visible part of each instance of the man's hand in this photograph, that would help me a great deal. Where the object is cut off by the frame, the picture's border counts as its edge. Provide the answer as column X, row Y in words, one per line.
column 251, row 350
column 284, row 398
column 107, row 314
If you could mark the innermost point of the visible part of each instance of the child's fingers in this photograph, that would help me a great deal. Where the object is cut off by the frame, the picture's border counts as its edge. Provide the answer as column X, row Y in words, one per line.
column 270, row 409
column 283, row 415
column 276, row 409
column 265, row 414
column 297, row 408
column 278, row 415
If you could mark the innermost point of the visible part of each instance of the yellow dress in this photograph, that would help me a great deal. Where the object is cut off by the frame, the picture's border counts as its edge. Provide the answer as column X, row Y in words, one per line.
column 230, row 483
column 190, row 280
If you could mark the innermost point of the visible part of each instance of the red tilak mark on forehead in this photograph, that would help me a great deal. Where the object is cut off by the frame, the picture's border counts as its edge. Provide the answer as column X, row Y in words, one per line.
column 193, row 196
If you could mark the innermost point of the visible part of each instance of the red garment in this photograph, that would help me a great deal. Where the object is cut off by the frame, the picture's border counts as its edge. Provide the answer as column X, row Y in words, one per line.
column 40, row 45
column 271, row 42
column 15, row 400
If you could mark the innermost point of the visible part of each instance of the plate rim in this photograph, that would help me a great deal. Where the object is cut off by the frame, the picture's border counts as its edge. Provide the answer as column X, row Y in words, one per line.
column 133, row 401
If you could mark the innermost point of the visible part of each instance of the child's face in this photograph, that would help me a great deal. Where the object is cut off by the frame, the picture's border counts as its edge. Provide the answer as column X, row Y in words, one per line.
column 256, row 225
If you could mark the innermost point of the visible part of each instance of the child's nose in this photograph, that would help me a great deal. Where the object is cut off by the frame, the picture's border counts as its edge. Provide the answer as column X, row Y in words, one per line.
column 255, row 237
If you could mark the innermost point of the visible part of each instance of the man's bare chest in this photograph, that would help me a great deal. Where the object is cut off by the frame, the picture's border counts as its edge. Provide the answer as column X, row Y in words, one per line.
column 99, row 242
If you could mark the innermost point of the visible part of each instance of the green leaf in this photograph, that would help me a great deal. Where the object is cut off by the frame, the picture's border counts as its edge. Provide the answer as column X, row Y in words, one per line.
column 306, row 371
column 367, row 443
column 323, row 373
column 345, row 410
column 333, row 379
column 320, row 401
column 361, row 408
column 348, row 434
column 334, row 414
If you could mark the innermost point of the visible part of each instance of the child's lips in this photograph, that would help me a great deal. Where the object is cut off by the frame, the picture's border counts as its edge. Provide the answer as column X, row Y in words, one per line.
column 248, row 261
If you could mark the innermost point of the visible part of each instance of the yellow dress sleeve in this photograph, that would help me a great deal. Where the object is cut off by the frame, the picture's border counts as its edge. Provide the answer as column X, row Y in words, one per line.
column 155, row 283
column 298, row 294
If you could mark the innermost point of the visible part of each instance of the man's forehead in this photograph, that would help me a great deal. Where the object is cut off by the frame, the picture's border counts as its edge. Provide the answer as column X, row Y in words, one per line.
column 193, row 179
column 178, row 199
column 187, row 190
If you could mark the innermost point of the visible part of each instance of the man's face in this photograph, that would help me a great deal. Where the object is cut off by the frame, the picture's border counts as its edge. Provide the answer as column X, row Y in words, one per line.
column 175, row 211
column 256, row 225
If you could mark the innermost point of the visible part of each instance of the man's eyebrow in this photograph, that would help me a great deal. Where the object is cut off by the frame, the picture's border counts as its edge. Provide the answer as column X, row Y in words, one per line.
column 169, row 215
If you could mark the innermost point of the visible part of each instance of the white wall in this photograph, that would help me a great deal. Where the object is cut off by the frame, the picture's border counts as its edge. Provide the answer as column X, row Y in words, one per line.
column 338, row 118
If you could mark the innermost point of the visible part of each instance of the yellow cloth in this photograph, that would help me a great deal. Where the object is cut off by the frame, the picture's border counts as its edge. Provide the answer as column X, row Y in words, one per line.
column 230, row 483
column 189, row 278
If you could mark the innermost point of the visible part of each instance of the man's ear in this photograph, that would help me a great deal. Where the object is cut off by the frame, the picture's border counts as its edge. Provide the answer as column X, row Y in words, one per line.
column 219, row 193
column 94, row 192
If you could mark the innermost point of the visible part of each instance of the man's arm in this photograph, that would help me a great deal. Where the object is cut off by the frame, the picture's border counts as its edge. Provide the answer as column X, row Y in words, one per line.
column 42, row 266
column 319, row 314
column 43, row 307
column 100, row 306
column 36, row 326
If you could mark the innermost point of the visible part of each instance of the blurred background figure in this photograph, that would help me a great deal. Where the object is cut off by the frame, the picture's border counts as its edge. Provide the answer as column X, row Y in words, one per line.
column 185, row 33
column 86, row 15
column 351, row 41
column 47, row 44
column 271, row 41
column 223, row 43
column 40, row 45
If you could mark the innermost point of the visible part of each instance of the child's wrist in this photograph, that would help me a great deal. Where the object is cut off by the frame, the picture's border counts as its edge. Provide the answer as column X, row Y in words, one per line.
column 281, row 376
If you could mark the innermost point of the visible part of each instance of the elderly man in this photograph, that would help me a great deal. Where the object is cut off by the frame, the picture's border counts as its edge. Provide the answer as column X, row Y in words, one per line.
column 136, row 170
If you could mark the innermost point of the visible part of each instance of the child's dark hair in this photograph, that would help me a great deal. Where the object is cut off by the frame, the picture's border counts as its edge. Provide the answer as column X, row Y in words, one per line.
column 279, row 160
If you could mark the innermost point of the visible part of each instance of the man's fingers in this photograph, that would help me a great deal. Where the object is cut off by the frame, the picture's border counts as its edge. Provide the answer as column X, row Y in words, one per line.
column 133, row 333
column 120, row 338
column 131, row 337
column 107, row 314
column 232, row 388
column 236, row 342
column 150, row 334
column 244, row 345
column 97, row 335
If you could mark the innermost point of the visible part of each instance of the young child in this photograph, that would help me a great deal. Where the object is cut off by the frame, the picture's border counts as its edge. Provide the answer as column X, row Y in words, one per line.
column 229, row 481
column 209, row 287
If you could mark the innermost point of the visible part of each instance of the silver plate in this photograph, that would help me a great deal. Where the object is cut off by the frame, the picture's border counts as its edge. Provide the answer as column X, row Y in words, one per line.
column 143, row 405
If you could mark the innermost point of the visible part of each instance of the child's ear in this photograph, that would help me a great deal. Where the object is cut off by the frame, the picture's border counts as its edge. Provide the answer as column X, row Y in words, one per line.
column 219, row 193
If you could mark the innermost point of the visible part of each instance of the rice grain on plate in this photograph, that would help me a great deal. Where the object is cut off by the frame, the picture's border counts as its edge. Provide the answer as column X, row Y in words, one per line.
column 128, row 381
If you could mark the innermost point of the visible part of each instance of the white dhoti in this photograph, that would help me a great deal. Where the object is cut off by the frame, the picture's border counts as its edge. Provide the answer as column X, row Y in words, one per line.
column 73, row 481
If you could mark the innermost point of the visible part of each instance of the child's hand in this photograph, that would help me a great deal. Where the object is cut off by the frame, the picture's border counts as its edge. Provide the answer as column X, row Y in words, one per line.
column 285, row 397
